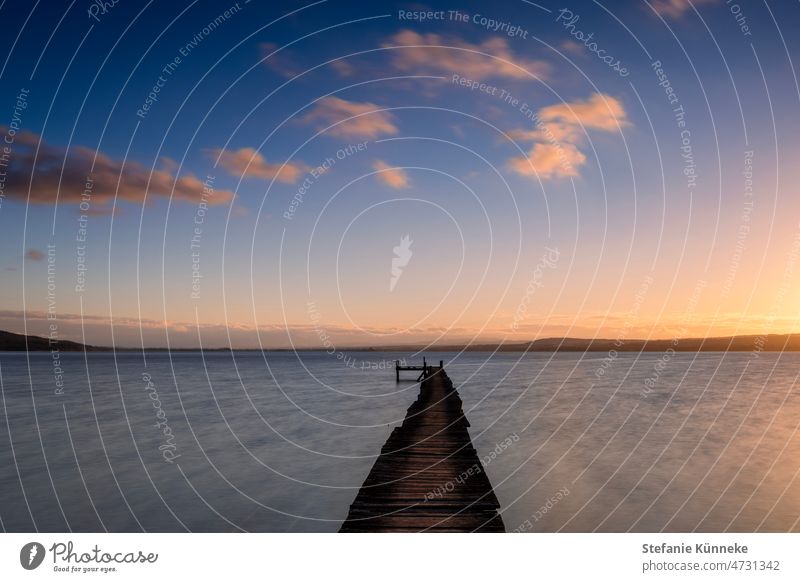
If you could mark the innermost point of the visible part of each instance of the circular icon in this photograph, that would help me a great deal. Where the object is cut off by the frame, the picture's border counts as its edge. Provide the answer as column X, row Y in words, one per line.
column 31, row 555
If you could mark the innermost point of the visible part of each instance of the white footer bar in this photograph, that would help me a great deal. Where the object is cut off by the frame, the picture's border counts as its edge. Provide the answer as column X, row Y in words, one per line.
column 390, row 557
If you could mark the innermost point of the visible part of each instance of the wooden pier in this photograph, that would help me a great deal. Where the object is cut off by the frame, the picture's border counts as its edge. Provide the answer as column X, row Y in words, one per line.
column 428, row 476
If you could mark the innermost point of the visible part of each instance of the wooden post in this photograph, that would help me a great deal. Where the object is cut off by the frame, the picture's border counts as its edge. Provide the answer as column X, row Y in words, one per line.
column 397, row 369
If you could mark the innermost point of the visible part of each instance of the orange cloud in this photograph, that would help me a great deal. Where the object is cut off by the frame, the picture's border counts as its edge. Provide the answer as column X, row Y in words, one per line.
column 432, row 53
column 600, row 111
column 352, row 119
column 549, row 161
column 249, row 163
column 34, row 255
column 391, row 176
column 573, row 47
column 61, row 175
column 676, row 8
column 560, row 129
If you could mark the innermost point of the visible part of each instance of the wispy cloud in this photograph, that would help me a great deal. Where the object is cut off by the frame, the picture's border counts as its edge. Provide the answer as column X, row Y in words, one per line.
column 104, row 210
column 249, row 163
column 558, row 132
column 128, row 331
column 34, row 255
column 280, row 61
column 600, row 111
column 344, row 68
column 676, row 8
column 548, row 161
column 570, row 46
column 61, row 175
column 433, row 53
column 393, row 177
column 351, row 119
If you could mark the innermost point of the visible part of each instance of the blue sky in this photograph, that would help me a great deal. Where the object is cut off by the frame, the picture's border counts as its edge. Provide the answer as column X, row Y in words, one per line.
column 481, row 189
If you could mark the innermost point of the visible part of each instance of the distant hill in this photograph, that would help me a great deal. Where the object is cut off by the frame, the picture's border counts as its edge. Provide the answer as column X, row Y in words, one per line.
column 14, row 342
column 741, row 343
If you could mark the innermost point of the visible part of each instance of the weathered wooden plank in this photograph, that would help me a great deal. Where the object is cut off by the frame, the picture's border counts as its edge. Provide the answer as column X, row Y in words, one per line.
column 428, row 476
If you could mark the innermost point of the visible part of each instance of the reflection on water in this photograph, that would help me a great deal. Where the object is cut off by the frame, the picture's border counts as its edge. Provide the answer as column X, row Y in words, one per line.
column 224, row 441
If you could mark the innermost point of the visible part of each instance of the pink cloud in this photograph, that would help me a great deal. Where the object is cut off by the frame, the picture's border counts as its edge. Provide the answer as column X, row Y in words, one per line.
column 559, row 130
column 432, row 53
column 573, row 47
column 599, row 111
column 61, row 176
column 249, row 163
column 549, row 161
column 351, row 119
column 34, row 255
column 676, row 8
column 391, row 176
column 344, row 68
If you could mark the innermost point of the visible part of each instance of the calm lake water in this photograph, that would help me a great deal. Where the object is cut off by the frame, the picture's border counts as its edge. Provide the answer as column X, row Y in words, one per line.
column 281, row 442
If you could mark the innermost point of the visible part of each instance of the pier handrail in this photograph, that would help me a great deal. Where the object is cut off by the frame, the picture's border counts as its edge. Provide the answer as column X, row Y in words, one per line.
column 425, row 369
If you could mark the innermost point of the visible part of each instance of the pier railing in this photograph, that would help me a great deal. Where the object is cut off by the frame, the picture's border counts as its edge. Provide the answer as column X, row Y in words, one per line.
column 425, row 370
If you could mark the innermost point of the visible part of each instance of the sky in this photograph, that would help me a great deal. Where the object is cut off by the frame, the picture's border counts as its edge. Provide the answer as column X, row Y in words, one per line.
column 341, row 173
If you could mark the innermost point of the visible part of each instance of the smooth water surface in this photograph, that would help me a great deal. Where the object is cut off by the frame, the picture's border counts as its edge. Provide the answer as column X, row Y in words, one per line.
column 282, row 442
